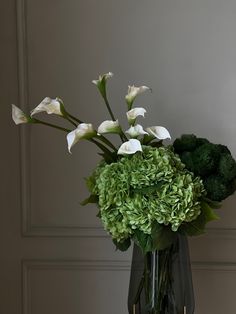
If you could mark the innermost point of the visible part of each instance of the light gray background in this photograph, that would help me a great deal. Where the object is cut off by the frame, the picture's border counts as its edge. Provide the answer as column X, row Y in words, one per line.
column 55, row 256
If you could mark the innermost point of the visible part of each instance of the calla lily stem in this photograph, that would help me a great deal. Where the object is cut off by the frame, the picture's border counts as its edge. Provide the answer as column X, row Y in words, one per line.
column 71, row 121
column 106, row 151
column 74, row 118
column 122, row 135
column 147, row 139
column 106, row 141
column 51, row 125
column 101, row 146
column 109, row 108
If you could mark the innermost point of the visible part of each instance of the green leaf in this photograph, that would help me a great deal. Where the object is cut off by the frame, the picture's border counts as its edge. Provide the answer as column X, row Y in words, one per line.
column 91, row 199
column 197, row 226
column 122, row 246
column 144, row 241
column 213, row 204
column 99, row 214
column 162, row 236
column 90, row 182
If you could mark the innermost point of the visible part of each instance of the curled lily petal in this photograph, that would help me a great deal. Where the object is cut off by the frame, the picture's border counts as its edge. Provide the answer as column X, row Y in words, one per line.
column 102, row 78
column 101, row 83
column 83, row 131
column 135, row 131
column 50, row 106
column 133, row 91
column 19, row 116
column 109, row 126
column 130, row 147
column 134, row 113
column 159, row 132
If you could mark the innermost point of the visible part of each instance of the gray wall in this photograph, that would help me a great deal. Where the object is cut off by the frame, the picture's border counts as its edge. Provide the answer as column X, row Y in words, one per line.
column 185, row 50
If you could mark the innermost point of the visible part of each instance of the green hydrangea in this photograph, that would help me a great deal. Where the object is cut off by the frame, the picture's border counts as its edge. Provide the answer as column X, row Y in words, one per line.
column 143, row 189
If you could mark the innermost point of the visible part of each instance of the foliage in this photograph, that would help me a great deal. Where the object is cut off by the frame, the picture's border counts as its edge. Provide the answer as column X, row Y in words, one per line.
column 212, row 162
column 197, row 226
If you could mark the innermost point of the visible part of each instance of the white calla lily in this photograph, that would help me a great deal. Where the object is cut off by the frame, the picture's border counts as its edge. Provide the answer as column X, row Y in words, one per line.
column 102, row 78
column 130, row 147
column 135, row 131
column 101, row 83
column 159, row 132
column 50, row 106
column 83, row 131
column 109, row 126
column 133, row 91
column 134, row 113
column 19, row 116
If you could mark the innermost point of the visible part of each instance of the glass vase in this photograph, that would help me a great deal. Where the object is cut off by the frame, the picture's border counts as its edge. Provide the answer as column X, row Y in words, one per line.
column 161, row 281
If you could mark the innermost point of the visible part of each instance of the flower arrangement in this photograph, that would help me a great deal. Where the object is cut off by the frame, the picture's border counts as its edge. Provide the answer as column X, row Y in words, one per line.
column 146, row 191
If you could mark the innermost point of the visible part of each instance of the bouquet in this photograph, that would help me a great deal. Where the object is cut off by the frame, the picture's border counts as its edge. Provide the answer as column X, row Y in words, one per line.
column 146, row 191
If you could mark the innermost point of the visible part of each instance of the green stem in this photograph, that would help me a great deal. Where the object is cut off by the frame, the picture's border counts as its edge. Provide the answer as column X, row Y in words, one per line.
column 109, row 108
column 51, row 125
column 101, row 146
column 147, row 139
column 106, row 141
column 140, row 289
column 74, row 118
column 122, row 134
column 71, row 121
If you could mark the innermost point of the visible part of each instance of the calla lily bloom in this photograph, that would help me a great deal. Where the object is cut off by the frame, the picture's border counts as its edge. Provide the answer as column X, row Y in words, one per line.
column 102, row 78
column 19, row 116
column 109, row 126
column 83, row 131
column 159, row 132
column 133, row 91
column 130, row 147
column 50, row 106
column 101, row 83
column 135, row 131
column 134, row 113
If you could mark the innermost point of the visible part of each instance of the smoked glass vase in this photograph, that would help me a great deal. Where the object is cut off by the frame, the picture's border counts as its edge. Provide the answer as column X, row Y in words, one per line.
column 161, row 281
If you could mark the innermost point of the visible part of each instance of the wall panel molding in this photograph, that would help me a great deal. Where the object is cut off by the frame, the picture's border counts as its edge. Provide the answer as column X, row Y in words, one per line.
column 28, row 266
column 28, row 228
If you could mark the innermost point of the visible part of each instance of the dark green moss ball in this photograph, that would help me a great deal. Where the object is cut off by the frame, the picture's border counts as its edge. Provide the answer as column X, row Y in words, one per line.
column 205, row 159
column 187, row 142
column 227, row 167
column 222, row 149
column 186, row 158
column 217, row 189
column 212, row 162
column 201, row 141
